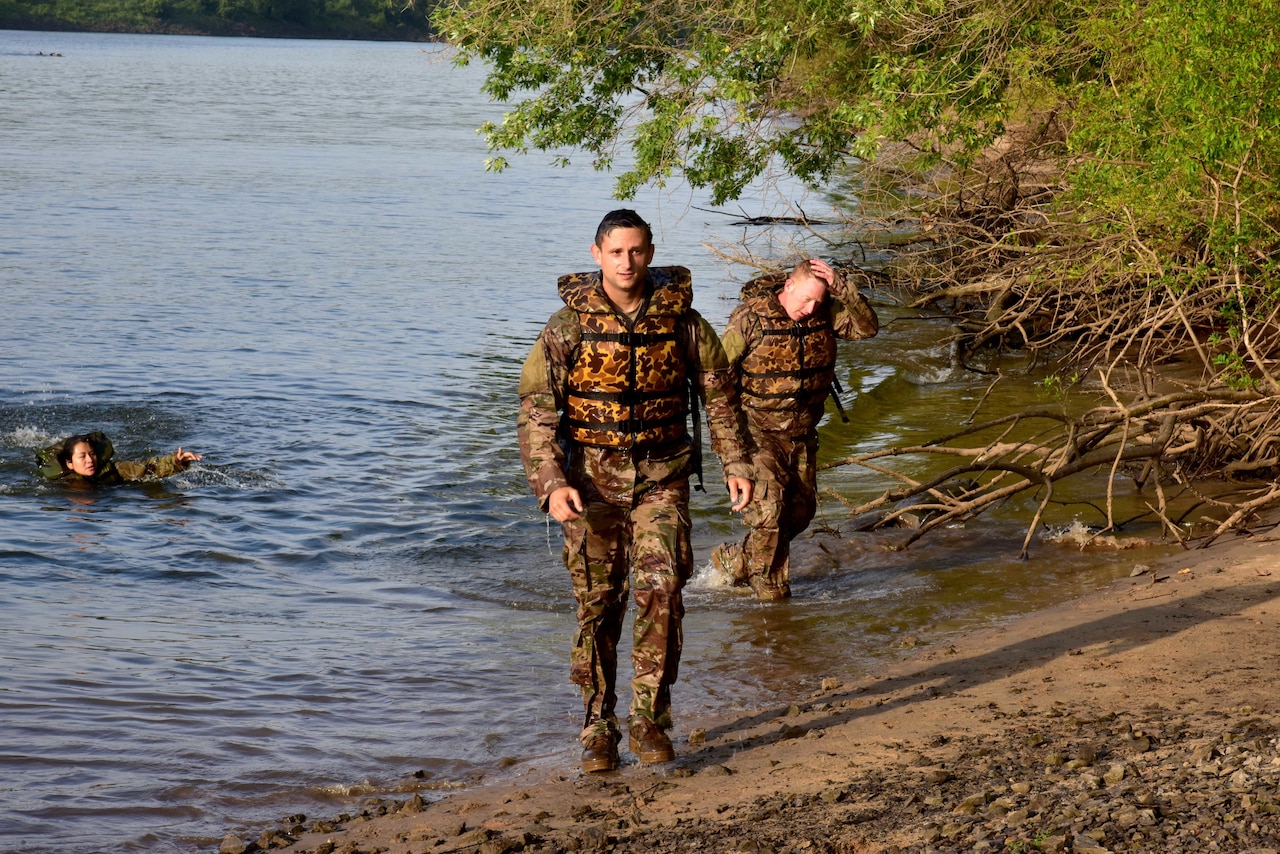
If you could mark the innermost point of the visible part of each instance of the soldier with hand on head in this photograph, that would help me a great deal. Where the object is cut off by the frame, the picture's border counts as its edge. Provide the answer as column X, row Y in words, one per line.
column 781, row 342
column 605, row 399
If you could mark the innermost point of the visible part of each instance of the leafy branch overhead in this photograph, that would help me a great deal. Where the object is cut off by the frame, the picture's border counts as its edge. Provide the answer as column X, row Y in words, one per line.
column 713, row 92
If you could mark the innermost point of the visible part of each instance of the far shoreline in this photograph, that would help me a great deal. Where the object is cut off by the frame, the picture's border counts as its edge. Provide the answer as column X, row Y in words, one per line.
column 229, row 31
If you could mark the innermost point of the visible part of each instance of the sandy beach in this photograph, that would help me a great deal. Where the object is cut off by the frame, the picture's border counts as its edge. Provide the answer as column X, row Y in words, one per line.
column 1142, row 717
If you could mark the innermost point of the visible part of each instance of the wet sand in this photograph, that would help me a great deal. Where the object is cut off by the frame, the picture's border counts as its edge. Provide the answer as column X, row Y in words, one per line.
column 1141, row 717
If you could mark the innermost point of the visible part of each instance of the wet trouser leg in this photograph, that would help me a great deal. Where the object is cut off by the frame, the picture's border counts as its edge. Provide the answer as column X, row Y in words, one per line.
column 604, row 550
column 661, row 563
column 596, row 555
column 784, row 504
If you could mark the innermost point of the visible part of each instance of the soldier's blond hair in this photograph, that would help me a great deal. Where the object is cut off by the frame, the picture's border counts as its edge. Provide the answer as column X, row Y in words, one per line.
column 803, row 272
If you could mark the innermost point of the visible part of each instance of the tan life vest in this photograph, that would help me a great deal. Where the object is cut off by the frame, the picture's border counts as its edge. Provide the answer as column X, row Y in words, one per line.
column 628, row 387
column 793, row 367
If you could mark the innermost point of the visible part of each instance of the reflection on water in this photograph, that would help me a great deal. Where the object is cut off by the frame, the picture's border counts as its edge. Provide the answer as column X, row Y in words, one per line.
column 287, row 257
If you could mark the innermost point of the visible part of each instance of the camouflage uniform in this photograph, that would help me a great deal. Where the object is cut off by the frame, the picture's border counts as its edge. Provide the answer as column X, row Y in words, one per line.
column 784, row 391
column 634, row 535
column 109, row 472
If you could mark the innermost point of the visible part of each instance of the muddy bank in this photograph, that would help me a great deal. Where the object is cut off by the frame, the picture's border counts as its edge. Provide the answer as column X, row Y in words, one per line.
column 1139, row 718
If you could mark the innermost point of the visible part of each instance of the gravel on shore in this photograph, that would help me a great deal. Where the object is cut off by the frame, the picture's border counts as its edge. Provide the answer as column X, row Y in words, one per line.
column 1141, row 718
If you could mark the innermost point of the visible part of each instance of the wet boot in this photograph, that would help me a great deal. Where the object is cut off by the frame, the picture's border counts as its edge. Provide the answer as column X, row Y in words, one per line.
column 600, row 747
column 649, row 742
column 769, row 589
column 728, row 560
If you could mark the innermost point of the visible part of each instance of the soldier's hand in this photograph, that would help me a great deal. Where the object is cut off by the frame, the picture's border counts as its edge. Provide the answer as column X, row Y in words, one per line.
column 565, row 505
column 822, row 270
column 740, row 490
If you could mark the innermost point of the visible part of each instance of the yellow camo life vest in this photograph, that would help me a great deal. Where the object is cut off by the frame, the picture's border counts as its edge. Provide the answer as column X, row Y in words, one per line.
column 794, row 365
column 628, row 385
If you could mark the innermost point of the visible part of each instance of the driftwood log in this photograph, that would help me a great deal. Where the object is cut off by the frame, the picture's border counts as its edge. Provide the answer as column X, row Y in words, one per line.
column 1163, row 443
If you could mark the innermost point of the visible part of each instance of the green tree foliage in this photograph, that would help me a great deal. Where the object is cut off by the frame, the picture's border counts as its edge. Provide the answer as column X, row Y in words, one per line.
column 1162, row 99
column 1179, row 137
column 717, row 90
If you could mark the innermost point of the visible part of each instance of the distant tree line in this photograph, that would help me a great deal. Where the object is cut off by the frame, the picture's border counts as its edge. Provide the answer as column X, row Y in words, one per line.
column 357, row 19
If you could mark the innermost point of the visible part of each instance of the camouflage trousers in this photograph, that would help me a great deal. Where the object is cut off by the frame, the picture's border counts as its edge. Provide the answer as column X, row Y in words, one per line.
column 643, row 551
column 784, row 503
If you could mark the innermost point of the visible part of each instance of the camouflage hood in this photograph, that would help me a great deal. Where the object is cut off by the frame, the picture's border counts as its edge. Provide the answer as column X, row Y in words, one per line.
column 47, row 458
column 671, row 291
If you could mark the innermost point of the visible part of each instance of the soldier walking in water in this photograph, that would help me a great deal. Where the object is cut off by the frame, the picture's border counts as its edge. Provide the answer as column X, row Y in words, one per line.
column 781, row 342
column 605, row 400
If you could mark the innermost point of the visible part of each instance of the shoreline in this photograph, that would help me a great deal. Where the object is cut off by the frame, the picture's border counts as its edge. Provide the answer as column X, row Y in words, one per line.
column 213, row 29
column 1138, row 717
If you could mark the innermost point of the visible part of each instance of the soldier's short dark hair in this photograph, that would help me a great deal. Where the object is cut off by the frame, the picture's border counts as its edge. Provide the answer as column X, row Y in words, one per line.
column 622, row 218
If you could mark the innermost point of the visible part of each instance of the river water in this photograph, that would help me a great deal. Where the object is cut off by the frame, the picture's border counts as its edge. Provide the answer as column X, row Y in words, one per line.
column 287, row 256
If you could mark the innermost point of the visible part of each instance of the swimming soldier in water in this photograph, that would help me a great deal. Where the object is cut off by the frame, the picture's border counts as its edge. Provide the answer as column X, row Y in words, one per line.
column 781, row 343
column 604, row 437
column 89, row 459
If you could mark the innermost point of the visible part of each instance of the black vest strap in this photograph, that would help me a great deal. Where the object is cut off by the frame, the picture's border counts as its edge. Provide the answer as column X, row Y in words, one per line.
column 836, row 391
column 630, row 339
column 632, row 426
column 803, row 373
column 628, row 397
column 792, row 331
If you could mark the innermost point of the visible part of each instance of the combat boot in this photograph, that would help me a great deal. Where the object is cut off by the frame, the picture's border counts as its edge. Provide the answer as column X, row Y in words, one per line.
column 600, row 747
column 728, row 559
column 767, row 590
column 649, row 742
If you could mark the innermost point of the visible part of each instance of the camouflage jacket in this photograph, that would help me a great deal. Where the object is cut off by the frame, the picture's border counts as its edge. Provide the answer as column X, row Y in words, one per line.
column 619, row 475
column 109, row 471
column 846, row 310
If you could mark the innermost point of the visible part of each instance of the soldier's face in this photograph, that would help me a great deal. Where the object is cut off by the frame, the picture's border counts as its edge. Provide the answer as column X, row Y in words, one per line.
column 624, row 258
column 84, row 461
column 801, row 297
